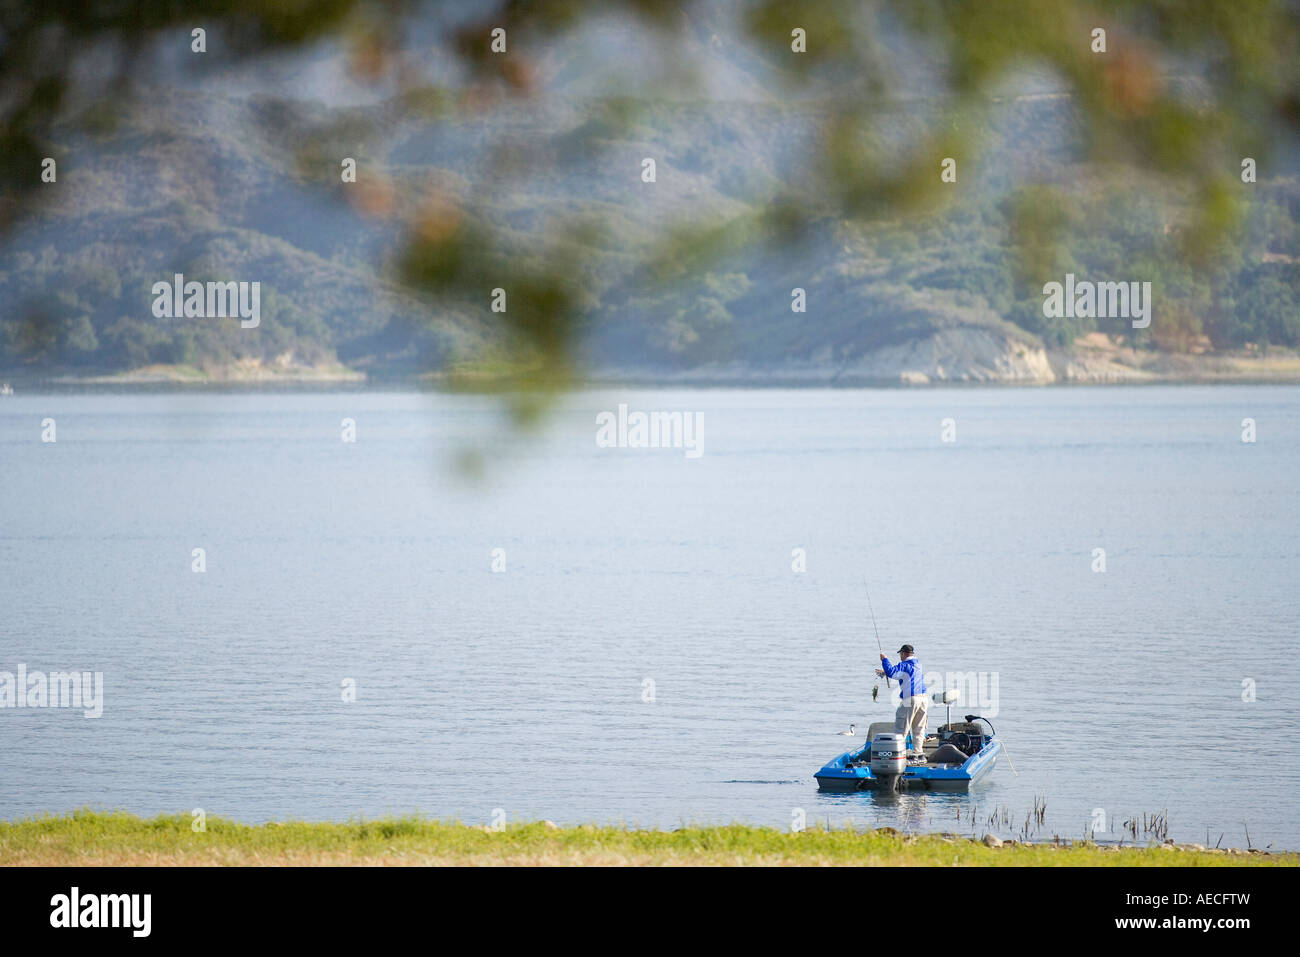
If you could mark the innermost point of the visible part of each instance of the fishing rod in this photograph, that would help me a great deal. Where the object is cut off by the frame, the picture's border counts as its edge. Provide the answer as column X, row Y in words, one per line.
column 874, row 628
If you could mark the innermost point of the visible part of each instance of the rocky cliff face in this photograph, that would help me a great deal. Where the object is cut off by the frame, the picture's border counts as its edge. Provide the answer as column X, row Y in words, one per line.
column 980, row 355
column 963, row 354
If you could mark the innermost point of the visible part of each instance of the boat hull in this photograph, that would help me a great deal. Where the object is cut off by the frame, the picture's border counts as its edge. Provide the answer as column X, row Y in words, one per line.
column 840, row 775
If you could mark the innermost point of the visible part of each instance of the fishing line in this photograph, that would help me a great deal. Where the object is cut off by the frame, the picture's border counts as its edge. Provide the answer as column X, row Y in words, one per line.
column 879, row 646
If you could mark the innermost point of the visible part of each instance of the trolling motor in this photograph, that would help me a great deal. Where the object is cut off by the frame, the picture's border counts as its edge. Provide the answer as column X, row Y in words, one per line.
column 975, row 717
column 965, row 737
column 969, row 740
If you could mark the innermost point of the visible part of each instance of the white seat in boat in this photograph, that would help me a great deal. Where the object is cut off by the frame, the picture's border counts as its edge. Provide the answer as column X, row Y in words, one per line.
column 879, row 727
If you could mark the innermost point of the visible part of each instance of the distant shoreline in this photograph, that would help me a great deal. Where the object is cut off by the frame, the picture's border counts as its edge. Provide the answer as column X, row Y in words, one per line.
column 430, row 383
column 1090, row 364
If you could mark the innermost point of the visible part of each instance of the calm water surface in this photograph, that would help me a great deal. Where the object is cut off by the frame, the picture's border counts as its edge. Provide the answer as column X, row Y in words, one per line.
column 1119, row 692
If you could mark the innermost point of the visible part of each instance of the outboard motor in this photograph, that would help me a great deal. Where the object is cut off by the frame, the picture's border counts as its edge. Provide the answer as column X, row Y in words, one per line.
column 888, row 758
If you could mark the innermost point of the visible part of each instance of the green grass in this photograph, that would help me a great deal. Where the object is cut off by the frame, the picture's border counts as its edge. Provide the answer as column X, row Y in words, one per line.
column 97, row 838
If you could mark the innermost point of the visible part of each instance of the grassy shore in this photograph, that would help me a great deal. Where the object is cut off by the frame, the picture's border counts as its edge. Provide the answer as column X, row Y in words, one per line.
column 94, row 838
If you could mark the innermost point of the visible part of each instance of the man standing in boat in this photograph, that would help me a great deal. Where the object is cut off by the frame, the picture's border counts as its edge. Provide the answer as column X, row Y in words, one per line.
column 911, row 713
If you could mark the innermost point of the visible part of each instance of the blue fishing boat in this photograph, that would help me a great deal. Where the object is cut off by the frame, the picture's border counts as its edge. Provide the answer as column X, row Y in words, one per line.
column 961, row 754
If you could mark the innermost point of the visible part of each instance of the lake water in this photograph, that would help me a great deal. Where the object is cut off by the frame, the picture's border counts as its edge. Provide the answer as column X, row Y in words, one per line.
column 1118, row 692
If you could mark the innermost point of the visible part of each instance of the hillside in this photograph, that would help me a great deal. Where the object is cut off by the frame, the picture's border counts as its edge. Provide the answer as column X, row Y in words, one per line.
column 247, row 188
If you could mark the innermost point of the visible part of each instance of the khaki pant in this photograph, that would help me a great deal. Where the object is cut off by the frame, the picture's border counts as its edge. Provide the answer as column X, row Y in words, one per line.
column 911, row 716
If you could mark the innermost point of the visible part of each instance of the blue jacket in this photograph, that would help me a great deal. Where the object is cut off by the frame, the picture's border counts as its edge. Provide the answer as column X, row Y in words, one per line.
column 908, row 674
